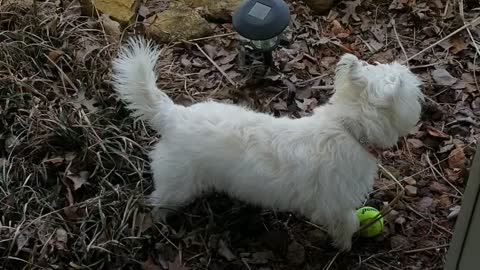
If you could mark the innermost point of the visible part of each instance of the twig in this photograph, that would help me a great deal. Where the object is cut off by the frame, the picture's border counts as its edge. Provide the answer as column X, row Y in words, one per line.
column 331, row 262
column 390, row 175
column 441, row 40
column 323, row 87
column 442, row 176
column 212, row 37
column 216, row 66
column 398, row 39
column 426, row 248
column 246, row 264
column 426, row 219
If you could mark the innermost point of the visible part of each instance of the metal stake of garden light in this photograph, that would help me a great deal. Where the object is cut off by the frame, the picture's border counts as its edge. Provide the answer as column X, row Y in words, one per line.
column 262, row 22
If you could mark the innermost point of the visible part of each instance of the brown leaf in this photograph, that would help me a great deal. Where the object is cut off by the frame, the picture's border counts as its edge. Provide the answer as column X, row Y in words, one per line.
column 442, row 77
column 210, row 50
column 177, row 265
column 337, row 28
column 411, row 190
column 415, row 143
column 438, row 187
column 307, row 105
column 456, row 159
column 57, row 160
column 61, row 238
column 424, row 204
column 437, row 133
column 401, row 4
column 150, row 265
column 350, row 11
column 144, row 221
column 458, row 44
column 454, row 175
column 54, row 56
column 295, row 253
column 383, row 184
column 74, row 213
column 78, row 180
column 225, row 251
column 82, row 100
column 111, row 27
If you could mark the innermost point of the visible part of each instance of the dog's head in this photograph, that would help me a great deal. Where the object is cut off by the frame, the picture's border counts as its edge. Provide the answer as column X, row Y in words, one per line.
column 383, row 93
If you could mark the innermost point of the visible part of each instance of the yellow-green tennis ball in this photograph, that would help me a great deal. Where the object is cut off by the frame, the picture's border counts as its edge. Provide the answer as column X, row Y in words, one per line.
column 365, row 214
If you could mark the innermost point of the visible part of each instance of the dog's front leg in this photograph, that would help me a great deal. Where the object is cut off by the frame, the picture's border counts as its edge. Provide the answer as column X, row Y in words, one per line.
column 342, row 230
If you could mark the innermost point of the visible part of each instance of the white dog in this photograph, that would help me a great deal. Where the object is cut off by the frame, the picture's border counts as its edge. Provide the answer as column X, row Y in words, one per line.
column 316, row 165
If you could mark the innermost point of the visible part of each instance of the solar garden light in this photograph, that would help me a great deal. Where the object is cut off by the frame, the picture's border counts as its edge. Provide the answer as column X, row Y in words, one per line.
column 262, row 22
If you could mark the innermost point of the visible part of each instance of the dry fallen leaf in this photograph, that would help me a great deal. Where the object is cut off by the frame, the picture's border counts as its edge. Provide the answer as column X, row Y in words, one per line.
column 61, row 238
column 150, row 265
column 144, row 221
column 456, row 159
column 82, row 100
column 415, row 143
column 295, row 253
column 442, row 77
column 111, row 27
column 225, row 251
column 437, row 133
column 177, row 265
column 458, row 44
column 350, row 11
column 78, row 180
column 54, row 56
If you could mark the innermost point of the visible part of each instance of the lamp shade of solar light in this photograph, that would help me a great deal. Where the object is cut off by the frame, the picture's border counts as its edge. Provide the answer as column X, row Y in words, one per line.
column 261, row 22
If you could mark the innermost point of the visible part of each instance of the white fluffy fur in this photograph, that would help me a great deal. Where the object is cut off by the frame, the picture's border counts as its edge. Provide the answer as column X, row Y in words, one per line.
column 314, row 165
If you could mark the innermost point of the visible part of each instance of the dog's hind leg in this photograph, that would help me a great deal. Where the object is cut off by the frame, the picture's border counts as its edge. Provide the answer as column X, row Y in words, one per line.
column 175, row 186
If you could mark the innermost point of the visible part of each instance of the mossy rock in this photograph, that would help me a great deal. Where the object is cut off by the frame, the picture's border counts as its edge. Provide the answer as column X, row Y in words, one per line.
column 178, row 22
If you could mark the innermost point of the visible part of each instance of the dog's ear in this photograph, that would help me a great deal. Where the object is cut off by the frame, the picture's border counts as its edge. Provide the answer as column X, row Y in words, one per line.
column 383, row 95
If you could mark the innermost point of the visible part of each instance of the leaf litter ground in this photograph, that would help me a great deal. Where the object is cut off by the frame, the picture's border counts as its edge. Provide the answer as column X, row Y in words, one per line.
column 74, row 165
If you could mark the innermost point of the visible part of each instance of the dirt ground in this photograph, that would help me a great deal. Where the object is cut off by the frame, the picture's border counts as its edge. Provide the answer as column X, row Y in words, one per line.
column 74, row 164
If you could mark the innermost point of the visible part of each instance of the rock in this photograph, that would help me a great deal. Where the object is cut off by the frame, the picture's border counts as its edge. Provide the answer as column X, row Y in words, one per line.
column 296, row 253
column 165, row 25
column 215, row 10
column 410, row 190
column 120, row 10
column 410, row 181
column 320, row 6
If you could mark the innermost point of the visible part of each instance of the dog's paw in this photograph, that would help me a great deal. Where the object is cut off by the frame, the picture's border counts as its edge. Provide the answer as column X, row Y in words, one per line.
column 343, row 245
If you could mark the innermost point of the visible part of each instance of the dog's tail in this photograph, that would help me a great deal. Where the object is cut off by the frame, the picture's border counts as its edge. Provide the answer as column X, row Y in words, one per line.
column 134, row 80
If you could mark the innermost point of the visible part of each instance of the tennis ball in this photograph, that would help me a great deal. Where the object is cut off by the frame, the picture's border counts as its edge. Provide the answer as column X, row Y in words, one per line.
column 365, row 214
